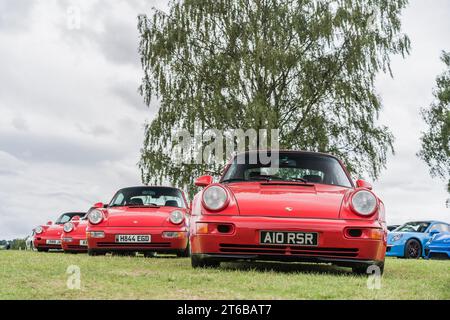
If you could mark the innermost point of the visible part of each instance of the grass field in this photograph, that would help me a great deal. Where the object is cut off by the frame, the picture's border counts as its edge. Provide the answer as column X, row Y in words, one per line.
column 32, row 275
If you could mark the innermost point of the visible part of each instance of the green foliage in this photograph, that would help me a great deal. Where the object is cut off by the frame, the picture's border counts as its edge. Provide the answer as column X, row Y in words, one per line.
column 436, row 140
column 304, row 67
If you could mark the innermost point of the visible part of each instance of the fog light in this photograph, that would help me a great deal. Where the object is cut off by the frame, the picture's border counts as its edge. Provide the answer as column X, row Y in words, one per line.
column 172, row 234
column 95, row 234
column 201, row 228
column 67, row 239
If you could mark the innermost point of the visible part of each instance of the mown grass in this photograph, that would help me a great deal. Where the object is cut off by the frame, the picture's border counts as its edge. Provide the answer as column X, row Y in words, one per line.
column 32, row 275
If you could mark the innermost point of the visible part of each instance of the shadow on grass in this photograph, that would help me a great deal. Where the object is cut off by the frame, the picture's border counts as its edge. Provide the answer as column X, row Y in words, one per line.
column 286, row 267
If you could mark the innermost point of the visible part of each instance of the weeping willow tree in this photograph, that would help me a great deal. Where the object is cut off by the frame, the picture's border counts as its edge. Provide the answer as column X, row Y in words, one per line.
column 435, row 149
column 304, row 67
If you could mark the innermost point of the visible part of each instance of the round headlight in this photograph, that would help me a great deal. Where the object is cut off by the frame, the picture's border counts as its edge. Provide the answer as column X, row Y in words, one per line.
column 176, row 217
column 95, row 216
column 364, row 202
column 38, row 230
column 68, row 226
column 215, row 198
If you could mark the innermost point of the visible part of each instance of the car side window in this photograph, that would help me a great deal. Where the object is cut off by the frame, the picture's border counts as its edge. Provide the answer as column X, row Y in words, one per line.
column 118, row 200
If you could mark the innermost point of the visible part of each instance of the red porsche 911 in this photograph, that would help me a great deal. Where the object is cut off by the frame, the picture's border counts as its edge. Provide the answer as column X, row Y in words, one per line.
column 140, row 219
column 49, row 236
column 73, row 238
column 302, row 206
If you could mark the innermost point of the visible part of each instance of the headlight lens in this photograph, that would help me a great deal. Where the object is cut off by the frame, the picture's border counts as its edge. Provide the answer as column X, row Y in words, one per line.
column 397, row 237
column 95, row 216
column 215, row 198
column 176, row 217
column 68, row 226
column 364, row 202
column 38, row 230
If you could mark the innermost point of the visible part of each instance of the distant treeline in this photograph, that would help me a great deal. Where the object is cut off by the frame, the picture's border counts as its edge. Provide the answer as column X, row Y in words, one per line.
column 16, row 244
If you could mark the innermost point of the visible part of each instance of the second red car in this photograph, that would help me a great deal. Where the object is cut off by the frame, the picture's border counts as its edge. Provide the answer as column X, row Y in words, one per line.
column 140, row 219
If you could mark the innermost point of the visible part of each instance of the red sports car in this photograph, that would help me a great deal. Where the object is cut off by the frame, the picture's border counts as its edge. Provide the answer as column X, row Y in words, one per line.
column 73, row 239
column 302, row 206
column 140, row 219
column 49, row 236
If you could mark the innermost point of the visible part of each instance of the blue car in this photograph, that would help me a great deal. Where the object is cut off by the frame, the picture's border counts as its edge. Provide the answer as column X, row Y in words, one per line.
column 408, row 240
column 438, row 246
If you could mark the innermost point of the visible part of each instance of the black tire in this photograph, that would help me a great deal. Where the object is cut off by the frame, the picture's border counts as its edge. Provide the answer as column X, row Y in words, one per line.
column 93, row 252
column 186, row 252
column 42, row 250
column 201, row 262
column 150, row 254
column 362, row 269
column 413, row 249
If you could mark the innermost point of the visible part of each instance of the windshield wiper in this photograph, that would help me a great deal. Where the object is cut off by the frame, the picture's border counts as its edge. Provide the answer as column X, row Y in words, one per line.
column 233, row 180
column 298, row 179
column 151, row 205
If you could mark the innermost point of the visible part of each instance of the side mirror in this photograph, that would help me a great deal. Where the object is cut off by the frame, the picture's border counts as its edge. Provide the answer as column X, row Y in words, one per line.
column 99, row 205
column 363, row 184
column 204, row 181
column 49, row 223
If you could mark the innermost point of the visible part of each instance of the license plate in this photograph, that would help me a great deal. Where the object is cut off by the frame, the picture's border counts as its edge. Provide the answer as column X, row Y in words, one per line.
column 83, row 242
column 133, row 238
column 289, row 238
column 53, row 242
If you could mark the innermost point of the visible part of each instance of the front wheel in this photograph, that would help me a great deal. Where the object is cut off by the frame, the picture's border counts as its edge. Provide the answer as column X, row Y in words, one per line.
column 413, row 249
column 186, row 252
column 92, row 252
column 201, row 262
column 369, row 269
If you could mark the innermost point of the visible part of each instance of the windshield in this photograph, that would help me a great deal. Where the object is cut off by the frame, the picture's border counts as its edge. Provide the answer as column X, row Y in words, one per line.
column 413, row 227
column 148, row 196
column 66, row 217
column 290, row 166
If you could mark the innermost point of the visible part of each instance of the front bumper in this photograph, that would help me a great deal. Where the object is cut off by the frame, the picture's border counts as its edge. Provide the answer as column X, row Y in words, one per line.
column 40, row 242
column 334, row 243
column 397, row 250
column 158, row 242
column 437, row 252
column 74, row 244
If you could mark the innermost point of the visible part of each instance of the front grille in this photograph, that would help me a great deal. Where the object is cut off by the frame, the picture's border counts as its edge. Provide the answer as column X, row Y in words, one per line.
column 134, row 245
column 71, row 246
column 288, row 250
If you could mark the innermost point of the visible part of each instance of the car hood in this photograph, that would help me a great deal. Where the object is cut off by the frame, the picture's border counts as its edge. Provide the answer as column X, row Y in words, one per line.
column 138, row 217
column 280, row 199
column 407, row 235
column 55, row 230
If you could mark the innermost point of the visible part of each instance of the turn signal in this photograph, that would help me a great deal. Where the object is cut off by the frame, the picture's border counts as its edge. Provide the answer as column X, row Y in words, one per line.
column 201, row 228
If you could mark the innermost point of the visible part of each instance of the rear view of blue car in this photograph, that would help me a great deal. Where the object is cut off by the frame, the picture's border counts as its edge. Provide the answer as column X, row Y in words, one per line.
column 410, row 239
column 438, row 247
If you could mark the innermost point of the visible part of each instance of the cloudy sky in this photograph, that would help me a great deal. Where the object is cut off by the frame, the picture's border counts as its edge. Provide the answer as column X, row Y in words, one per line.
column 71, row 120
